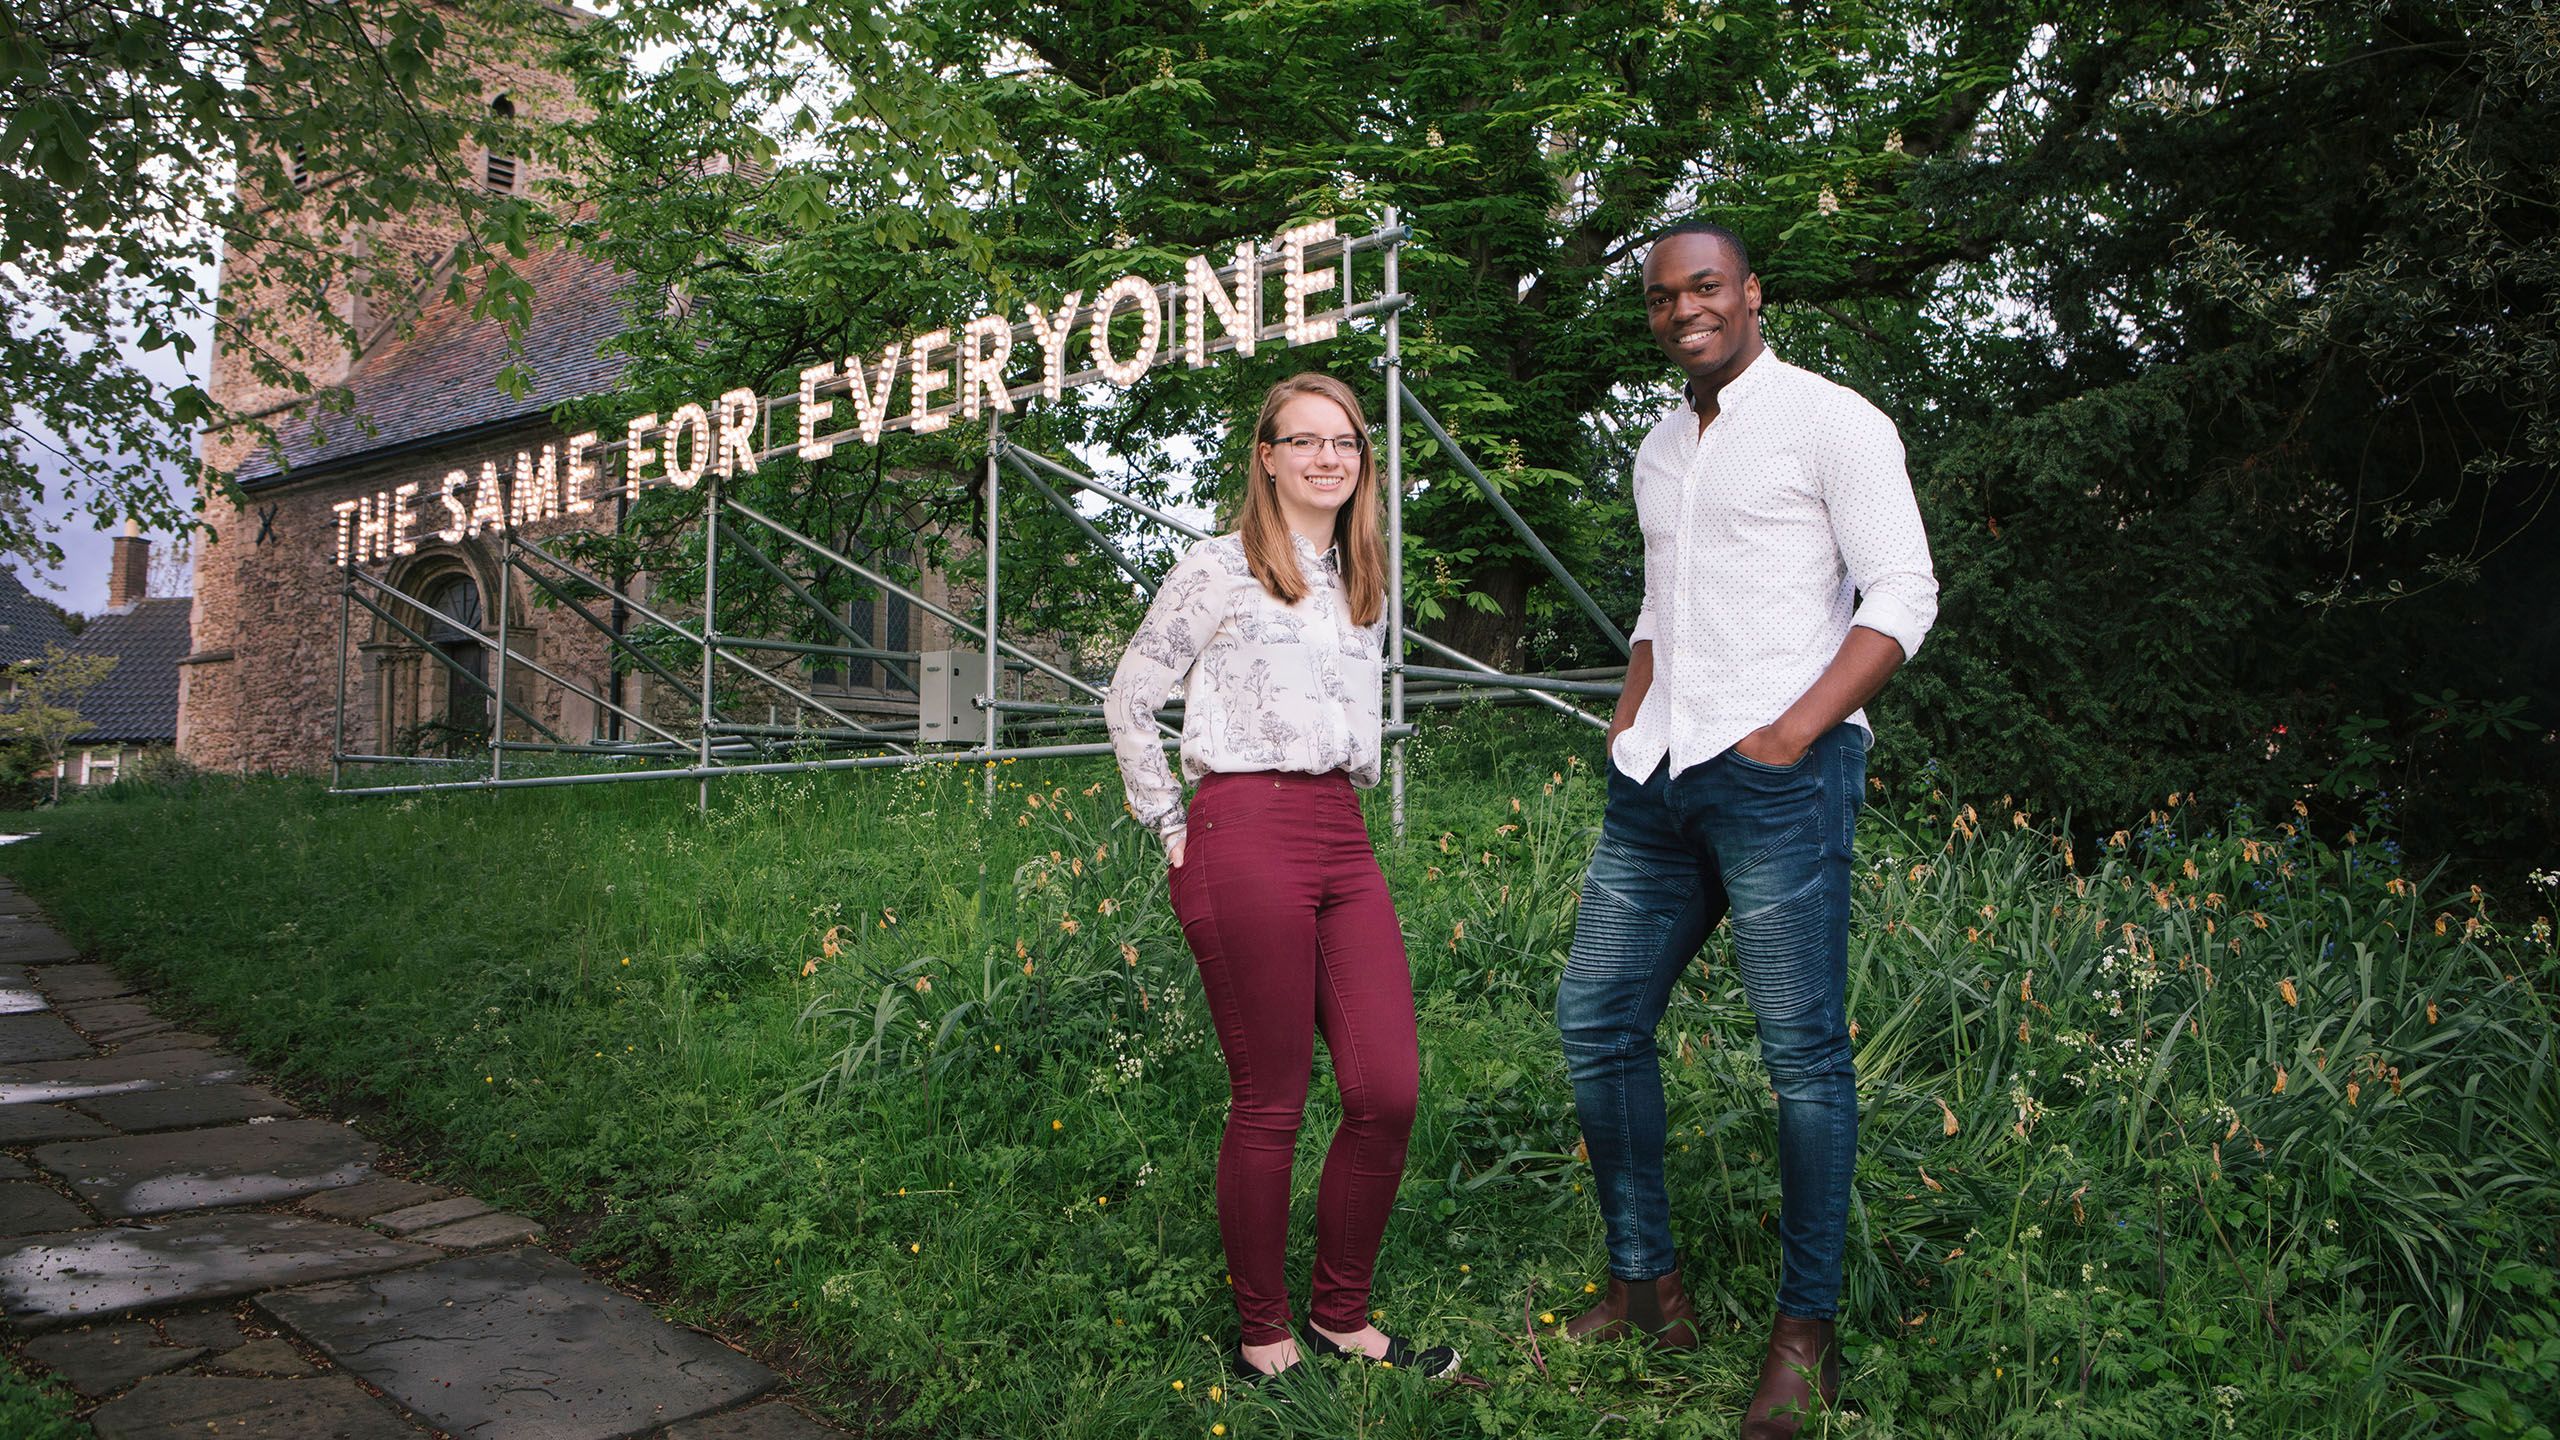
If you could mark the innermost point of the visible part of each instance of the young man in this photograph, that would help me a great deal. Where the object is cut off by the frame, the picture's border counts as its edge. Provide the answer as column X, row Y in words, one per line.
column 1786, row 577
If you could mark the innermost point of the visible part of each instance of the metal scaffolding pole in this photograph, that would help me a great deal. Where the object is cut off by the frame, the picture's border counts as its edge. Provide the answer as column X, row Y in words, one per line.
column 710, row 629
column 958, row 623
column 792, row 583
column 1101, row 542
column 1116, row 497
column 1393, row 361
column 431, row 648
column 497, row 717
column 995, row 672
column 614, row 640
column 338, row 728
column 1493, row 497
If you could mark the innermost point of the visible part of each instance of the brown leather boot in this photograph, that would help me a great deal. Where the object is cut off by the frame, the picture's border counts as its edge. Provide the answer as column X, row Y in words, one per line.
column 1659, row 1310
column 1784, row 1400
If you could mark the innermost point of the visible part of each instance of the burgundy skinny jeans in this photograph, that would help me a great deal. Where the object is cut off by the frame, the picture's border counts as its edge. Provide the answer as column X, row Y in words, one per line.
column 1280, row 897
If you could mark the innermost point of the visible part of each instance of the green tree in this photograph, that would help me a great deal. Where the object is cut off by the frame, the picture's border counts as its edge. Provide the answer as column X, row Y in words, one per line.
column 40, row 709
column 2222, row 335
column 138, row 141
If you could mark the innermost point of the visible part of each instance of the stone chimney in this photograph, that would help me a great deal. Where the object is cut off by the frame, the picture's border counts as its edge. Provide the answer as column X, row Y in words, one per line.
column 129, row 569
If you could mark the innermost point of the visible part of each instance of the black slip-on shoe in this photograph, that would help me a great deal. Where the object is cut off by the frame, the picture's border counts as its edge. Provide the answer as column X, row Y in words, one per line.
column 1436, row 1362
column 1278, row 1386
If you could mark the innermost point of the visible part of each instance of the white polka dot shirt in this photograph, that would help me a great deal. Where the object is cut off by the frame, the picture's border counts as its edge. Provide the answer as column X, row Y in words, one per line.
column 1768, row 535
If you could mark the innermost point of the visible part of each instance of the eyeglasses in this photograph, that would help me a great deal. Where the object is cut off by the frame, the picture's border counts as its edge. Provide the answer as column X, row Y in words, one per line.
column 1305, row 446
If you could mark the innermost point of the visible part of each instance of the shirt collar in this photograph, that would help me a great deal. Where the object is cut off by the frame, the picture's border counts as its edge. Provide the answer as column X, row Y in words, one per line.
column 1762, row 369
column 1330, row 557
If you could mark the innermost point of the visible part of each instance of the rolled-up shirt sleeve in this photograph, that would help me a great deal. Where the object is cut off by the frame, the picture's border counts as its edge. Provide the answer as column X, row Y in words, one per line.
column 1186, row 613
column 1875, row 521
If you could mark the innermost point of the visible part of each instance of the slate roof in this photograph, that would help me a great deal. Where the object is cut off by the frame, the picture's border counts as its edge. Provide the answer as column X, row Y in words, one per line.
column 441, row 378
column 137, row 702
column 27, row 624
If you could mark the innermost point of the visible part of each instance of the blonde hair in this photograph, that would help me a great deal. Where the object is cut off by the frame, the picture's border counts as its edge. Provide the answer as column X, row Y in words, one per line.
column 1357, row 530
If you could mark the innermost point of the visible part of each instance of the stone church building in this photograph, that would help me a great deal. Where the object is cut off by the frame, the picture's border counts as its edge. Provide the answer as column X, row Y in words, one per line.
column 259, row 687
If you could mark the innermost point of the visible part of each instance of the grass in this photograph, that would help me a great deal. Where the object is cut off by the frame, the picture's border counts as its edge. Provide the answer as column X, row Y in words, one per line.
column 31, row 1409
column 2216, row 1125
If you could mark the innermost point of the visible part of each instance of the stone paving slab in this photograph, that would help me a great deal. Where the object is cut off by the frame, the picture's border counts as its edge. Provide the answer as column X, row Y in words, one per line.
column 140, row 1112
column 13, row 903
column 166, row 1040
column 31, row 1209
column 483, row 1232
column 38, row 1124
column 25, row 1038
column 111, row 1020
column 35, row 945
column 263, row 1357
column 14, row 1169
column 224, row 1165
column 520, row 1344
column 373, row 1197
column 322, row 1407
column 20, row 998
column 80, row 984
column 211, row 1329
column 431, row 1214
column 49, row 1280
column 771, row 1420
column 102, row 1359
column 114, row 1074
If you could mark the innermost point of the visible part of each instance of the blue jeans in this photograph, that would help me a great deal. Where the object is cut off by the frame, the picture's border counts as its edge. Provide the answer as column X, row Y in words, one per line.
column 1769, row 847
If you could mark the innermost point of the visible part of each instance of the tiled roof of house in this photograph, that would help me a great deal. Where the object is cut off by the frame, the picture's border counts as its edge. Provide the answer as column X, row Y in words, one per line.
column 441, row 378
column 137, row 702
column 27, row 624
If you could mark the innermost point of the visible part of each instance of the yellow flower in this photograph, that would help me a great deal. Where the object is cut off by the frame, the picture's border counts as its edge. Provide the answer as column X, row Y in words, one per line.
column 488, row 1079
column 914, row 1249
column 626, row 959
column 1177, row 1384
column 1547, row 1318
column 1590, row 1287
column 1217, row 1392
column 1218, row 1429
column 1057, row 1124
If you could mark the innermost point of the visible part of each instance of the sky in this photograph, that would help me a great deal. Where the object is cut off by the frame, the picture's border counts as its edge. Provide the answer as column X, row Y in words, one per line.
column 79, row 583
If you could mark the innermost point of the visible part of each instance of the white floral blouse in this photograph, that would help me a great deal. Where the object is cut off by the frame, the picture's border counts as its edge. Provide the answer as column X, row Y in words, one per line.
column 1267, row 686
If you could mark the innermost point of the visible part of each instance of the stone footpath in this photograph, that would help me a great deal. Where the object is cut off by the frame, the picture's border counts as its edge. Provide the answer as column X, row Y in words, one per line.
column 203, row 1258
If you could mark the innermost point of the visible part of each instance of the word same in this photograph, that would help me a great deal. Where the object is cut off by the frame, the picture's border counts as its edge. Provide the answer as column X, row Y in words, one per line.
column 696, row 440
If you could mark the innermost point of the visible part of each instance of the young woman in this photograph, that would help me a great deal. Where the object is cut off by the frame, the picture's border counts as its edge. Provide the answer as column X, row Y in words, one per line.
column 1274, row 635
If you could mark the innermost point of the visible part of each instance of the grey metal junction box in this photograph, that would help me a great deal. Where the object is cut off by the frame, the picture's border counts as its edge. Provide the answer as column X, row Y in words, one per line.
column 947, row 684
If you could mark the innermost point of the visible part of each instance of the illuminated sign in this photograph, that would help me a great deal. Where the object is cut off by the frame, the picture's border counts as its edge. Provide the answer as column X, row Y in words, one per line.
column 940, row 374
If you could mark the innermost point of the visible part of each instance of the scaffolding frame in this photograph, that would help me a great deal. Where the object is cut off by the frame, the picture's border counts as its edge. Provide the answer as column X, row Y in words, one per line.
column 722, row 745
